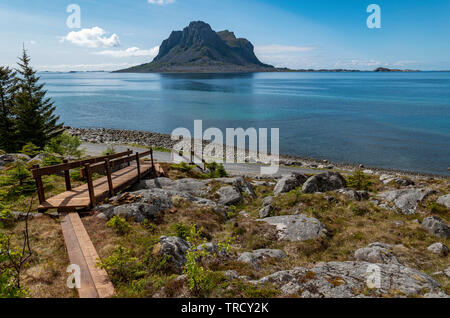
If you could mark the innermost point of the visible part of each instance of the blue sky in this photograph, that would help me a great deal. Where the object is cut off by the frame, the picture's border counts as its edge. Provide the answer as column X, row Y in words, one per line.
column 297, row 34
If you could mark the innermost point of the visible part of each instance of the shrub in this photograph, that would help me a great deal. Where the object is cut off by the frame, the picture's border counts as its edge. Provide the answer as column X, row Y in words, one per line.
column 359, row 181
column 119, row 224
column 181, row 230
column 122, row 266
column 6, row 218
column 182, row 166
column 51, row 160
column 65, row 144
column 109, row 151
column 216, row 170
column 30, row 149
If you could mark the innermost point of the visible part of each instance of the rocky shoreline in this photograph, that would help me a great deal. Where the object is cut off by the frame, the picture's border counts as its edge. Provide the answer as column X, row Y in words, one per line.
column 153, row 139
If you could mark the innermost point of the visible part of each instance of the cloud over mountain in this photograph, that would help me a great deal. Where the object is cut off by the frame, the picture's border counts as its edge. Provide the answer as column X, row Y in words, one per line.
column 130, row 52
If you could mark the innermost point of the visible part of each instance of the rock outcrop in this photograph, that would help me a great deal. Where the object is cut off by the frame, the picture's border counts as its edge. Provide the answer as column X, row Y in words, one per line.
column 435, row 226
column 289, row 182
column 348, row 279
column 406, row 200
column 297, row 227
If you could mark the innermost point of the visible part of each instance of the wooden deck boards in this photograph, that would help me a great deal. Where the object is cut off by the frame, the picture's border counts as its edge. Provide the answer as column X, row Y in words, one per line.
column 79, row 197
column 94, row 281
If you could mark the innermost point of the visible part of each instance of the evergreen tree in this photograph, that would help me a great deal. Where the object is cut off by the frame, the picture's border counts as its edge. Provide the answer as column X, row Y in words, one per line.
column 7, row 126
column 35, row 118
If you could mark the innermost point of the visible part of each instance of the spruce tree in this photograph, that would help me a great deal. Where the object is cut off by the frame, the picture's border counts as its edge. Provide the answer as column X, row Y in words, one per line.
column 35, row 118
column 7, row 125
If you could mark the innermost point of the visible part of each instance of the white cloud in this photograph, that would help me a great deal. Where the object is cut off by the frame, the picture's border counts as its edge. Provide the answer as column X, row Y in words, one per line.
column 280, row 49
column 93, row 38
column 130, row 52
column 161, row 2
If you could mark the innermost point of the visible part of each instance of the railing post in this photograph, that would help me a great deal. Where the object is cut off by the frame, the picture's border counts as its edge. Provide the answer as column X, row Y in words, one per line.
column 138, row 164
column 87, row 169
column 108, row 176
column 39, row 185
column 67, row 177
column 192, row 156
column 129, row 163
column 153, row 164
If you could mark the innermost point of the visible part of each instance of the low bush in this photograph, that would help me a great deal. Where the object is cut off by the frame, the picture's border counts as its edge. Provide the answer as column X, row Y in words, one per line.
column 119, row 224
column 359, row 181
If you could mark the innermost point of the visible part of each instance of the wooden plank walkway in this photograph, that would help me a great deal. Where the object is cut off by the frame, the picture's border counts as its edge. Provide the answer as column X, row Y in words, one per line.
column 95, row 282
column 79, row 197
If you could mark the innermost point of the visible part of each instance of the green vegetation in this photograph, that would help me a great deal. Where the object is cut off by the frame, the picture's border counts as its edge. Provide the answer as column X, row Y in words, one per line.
column 64, row 145
column 359, row 181
column 119, row 224
column 215, row 170
column 109, row 151
column 30, row 149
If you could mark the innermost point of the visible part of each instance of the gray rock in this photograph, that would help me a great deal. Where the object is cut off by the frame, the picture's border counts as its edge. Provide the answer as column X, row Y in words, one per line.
column 376, row 253
column 355, row 195
column 228, row 195
column 176, row 249
column 231, row 275
column 239, row 183
column 447, row 272
column 187, row 185
column 209, row 247
column 22, row 216
column 324, row 182
column 438, row 248
column 265, row 212
column 12, row 158
column 297, row 227
column 345, row 279
column 440, row 294
column 435, row 226
column 255, row 257
column 444, row 200
column 267, row 201
column 407, row 199
column 289, row 182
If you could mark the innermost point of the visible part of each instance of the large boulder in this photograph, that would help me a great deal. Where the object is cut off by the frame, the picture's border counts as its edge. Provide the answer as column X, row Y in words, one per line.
column 255, row 257
column 435, row 226
column 376, row 253
column 266, row 211
column 297, row 227
column 349, row 279
column 228, row 195
column 406, row 200
column 444, row 200
column 12, row 158
column 175, row 248
column 137, row 212
column 289, row 182
column 324, row 182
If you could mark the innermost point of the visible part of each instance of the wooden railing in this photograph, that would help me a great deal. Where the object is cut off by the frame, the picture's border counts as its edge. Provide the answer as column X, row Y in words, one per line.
column 103, row 164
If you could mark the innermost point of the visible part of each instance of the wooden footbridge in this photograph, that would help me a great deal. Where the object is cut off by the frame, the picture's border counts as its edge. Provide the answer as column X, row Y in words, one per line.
column 120, row 171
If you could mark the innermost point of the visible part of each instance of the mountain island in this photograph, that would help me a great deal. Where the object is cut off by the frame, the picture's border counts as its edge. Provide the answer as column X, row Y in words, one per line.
column 199, row 49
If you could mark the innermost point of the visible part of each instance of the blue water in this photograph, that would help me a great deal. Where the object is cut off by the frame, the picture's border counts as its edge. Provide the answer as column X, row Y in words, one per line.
column 387, row 120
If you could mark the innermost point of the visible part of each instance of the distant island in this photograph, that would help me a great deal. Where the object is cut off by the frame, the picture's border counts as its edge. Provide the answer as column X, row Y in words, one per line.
column 199, row 49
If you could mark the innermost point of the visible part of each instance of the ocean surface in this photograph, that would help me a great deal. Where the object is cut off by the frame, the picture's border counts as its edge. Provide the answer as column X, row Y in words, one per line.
column 386, row 120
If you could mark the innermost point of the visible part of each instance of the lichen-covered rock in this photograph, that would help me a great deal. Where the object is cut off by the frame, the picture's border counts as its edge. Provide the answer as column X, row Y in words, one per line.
column 355, row 195
column 407, row 199
column 297, row 227
column 435, row 226
column 438, row 248
column 187, row 185
column 349, row 279
column 289, row 182
column 255, row 257
column 444, row 200
column 376, row 253
column 175, row 248
column 267, row 201
column 324, row 182
column 228, row 195
column 266, row 211
column 239, row 183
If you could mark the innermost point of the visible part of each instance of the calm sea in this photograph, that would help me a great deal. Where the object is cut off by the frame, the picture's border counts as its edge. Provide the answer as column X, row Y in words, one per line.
column 387, row 120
